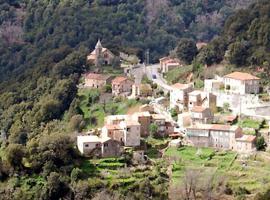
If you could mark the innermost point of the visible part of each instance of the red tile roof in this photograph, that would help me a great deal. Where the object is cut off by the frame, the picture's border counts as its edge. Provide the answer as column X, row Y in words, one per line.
column 112, row 127
column 96, row 76
column 180, row 86
column 247, row 138
column 119, row 79
column 198, row 109
column 221, row 127
column 241, row 76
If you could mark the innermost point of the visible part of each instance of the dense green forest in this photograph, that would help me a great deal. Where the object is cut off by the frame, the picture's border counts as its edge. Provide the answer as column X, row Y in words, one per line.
column 245, row 40
column 43, row 46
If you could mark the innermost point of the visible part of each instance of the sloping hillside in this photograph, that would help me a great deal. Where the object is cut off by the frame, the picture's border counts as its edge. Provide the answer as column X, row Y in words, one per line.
column 245, row 40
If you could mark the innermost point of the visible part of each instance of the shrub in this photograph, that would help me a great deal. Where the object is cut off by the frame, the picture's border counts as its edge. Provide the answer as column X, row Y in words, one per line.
column 260, row 144
column 240, row 191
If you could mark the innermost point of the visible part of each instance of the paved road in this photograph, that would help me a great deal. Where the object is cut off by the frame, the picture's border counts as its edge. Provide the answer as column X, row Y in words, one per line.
column 150, row 71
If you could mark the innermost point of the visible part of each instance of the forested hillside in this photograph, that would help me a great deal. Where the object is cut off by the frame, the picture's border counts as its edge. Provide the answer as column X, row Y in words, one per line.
column 43, row 46
column 245, row 40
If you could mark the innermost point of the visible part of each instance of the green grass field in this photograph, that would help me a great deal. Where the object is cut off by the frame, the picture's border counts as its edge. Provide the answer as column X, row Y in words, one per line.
column 179, row 73
column 252, row 173
column 113, row 172
column 202, row 158
column 99, row 111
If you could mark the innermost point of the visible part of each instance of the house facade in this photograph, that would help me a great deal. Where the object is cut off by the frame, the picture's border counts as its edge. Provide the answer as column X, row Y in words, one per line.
column 93, row 80
column 94, row 146
column 201, row 115
column 122, row 86
column 124, row 129
column 179, row 95
column 100, row 56
column 167, row 64
column 241, row 83
column 144, row 118
column 203, row 99
column 160, row 121
column 220, row 137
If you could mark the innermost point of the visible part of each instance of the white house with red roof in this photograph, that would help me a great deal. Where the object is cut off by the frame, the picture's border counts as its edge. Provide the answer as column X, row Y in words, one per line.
column 241, row 83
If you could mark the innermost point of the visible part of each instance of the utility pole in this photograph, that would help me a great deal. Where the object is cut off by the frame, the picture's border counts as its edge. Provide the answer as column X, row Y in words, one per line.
column 147, row 56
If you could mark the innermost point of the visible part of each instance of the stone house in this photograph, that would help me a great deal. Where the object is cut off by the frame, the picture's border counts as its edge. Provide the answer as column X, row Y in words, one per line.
column 93, row 80
column 115, row 119
column 179, row 95
column 201, row 115
column 114, row 132
column 241, row 83
column 132, row 131
column 100, row 56
column 220, row 136
column 167, row 64
column 246, row 143
column 121, row 86
column 169, row 128
column 160, row 121
column 144, row 118
column 201, row 98
column 126, row 131
column 94, row 146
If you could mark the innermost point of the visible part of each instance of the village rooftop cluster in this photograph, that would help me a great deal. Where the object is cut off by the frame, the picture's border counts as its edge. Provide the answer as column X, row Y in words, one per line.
column 196, row 122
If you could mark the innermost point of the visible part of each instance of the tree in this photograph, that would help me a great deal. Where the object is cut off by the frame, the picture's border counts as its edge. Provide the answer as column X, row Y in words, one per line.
column 186, row 50
column 15, row 154
column 238, row 53
column 260, row 144
column 153, row 128
column 76, row 123
column 56, row 187
column 76, row 174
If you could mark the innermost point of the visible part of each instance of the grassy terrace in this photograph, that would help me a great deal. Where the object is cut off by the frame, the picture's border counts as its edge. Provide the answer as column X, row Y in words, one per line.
column 204, row 158
column 114, row 173
column 252, row 173
column 94, row 113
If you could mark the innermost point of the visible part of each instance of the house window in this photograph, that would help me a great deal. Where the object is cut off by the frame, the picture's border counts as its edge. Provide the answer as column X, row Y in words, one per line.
column 96, row 145
column 86, row 145
column 106, row 145
column 128, row 129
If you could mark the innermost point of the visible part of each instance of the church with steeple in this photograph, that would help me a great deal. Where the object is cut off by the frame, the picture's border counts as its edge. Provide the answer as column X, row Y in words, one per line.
column 100, row 56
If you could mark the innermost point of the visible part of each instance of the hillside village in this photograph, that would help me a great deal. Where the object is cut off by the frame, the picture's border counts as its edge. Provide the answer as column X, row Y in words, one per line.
column 138, row 99
column 208, row 117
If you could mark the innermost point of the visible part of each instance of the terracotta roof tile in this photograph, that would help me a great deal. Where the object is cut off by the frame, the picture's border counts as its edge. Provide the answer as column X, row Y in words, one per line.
column 119, row 79
column 198, row 109
column 180, row 86
column 247, row 138
column 241, row 76
column 112, row 127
